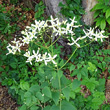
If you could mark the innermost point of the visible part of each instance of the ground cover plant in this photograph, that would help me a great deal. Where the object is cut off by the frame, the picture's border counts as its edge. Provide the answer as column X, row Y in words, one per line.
column 43, row 74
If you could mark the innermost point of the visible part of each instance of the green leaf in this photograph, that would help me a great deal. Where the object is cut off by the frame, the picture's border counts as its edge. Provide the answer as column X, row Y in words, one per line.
column 79, row 76
column 107, row 13
column 13, row 65
column 103, row 24
column 76, row 83
column 61, row 4
column 24, row 85
column 34, row 107
column 67, row 106
column 54, row 107
column 46, row 91
column 66, row 92
column 55, row 97
column 23, row 107
column 96, row 13
column 107, row 2
column 40, row 96
column 34, row 88
column 60, row 73
column 47, row 108
column 98, row 7
column 91, row 67
column 108, row 20
column 72, row 67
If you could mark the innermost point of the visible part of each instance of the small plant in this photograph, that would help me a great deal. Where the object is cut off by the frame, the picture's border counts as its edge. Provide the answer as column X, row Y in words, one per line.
column 39, row 11
column 102, row 13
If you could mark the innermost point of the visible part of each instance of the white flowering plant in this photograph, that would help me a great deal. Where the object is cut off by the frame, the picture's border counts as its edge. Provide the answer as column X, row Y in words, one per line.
column 49, row 89
column 37, row 33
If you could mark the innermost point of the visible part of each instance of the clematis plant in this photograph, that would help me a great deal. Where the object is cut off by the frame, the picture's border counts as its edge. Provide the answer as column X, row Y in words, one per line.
column 37, row 33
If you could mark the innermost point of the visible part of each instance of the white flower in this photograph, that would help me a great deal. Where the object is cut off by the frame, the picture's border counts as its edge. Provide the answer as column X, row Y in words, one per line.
column 15, row 41
column 52, row 58
column 30, row 59
column 44, row 57
column 74, row 41
column 27, row 54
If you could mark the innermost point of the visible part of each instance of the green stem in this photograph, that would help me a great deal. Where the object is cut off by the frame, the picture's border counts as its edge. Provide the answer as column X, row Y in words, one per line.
column 55, row 41
column 68, row 59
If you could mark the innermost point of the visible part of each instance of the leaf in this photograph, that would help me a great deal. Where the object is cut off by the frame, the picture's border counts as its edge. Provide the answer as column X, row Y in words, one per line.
column 98, row 7
column 24, row 85
column 67, row 106
column 23, row 107
column 46, row 91
column 66, row 92
column 40, row 96
column 61, row 4
column 96, row 13
column 34, row 88
column 60, row 73
column 72, row 67
column 75, row 84
column 34, row 107
column 79, row 76
column 55, row 97
column 54, row 107
column 107, row 13
column 107, row 2
column 13, row 65
column 47, row 108
column 103, row 24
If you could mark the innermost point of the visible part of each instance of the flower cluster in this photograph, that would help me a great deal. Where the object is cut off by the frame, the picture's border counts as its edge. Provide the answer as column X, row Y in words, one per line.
column 91, row 34
column 38, row 58
column 58, row 29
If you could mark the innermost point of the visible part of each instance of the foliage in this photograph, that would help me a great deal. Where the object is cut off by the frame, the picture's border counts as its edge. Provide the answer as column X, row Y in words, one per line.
column 71, row 9
column 102, row 14
column 39, row 11
column 41, row 84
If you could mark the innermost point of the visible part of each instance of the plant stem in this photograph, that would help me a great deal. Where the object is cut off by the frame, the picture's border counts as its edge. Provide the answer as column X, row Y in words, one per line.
column 69, row 58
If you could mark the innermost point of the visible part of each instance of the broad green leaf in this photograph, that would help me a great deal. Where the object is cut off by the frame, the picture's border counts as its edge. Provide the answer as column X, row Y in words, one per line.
column 66, row 92
column 59, row 73
column 107, row 2
column 67, row 106
column 24, row 85
column 103, row 24
column 34, row 88
column 96, row 13
column 27, row 94
column 79, row 75
column 108, row 20
column 47, row 107
column 54, row 107
column 55, row 97
column 28, row 101
column 13, row 65
column 76, row 83
column 91, row 67
column 72, row 67
column 46, row 91
column 40, row 96
column 107, row 13
column 34, row 107
column 98, row 7
column 55, row 82
column 23, row 107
